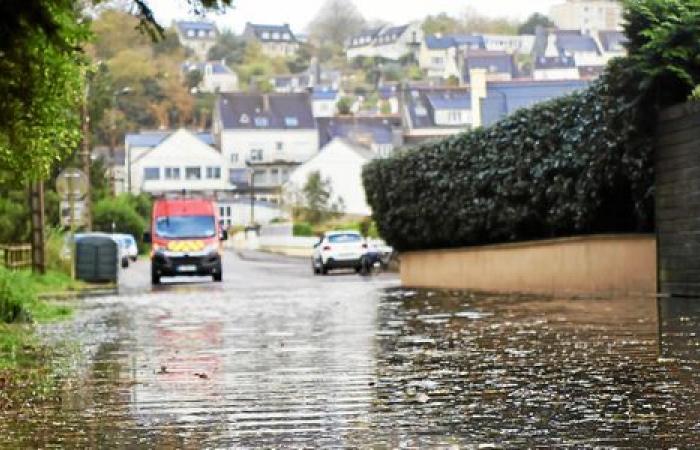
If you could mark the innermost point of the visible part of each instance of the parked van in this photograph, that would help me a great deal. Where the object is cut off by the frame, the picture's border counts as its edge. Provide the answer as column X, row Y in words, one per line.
column 186, row 239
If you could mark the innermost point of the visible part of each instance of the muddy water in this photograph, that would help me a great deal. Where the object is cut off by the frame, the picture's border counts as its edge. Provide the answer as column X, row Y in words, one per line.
column 343, row 362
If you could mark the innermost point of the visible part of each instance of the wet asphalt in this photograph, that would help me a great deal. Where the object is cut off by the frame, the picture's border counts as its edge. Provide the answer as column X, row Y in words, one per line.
column 277, row 357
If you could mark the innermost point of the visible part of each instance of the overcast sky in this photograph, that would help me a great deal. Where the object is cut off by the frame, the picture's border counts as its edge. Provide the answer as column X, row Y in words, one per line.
column 298, row 13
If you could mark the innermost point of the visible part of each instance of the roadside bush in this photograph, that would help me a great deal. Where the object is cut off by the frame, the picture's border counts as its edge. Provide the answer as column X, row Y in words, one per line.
column 120, row 212
column 15, row 295
column 302, row 229
column 579, row 164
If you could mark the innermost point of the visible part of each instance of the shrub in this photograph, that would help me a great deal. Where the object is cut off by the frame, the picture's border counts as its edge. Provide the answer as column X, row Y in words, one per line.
column 578, row 164
column 15, row 295
column 302, row 229
column 118, row 212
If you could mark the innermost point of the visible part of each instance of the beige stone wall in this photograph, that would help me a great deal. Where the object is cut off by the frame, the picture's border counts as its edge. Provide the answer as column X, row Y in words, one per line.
column 580, row 265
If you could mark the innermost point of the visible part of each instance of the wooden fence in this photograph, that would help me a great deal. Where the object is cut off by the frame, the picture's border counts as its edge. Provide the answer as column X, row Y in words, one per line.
column 15, row 257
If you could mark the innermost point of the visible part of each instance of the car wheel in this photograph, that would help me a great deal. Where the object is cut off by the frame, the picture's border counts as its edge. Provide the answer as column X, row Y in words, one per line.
column 155, row 278
column 324, row 269
column 125, row 262
column 218, row 277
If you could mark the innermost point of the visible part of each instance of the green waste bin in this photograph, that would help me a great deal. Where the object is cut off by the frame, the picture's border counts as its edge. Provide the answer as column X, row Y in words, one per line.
column 96, row 259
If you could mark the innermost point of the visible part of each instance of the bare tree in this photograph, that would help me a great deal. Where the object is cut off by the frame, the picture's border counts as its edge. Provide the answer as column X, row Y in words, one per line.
column 336, row 21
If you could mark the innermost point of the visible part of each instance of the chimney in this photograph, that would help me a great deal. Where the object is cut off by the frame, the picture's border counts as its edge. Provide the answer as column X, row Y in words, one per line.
column 266, row 102
column 477, row 79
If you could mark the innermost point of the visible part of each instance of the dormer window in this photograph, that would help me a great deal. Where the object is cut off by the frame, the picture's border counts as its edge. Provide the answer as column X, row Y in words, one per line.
column 275, row 35
column 265, row 35
column 261, row 122
column 202, row 33
column 286, row 36
column 421, row 111
column 244, row 119
column 190, row 33
column 291, row 121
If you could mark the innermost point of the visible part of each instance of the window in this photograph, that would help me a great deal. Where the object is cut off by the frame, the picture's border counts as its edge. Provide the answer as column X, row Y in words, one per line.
column 256, row 154
column 261, row 121
column 172, row 173
column 274, row 176
column 421, row 111
column 275, row 35
column 202, row 33
column 265, row 35
column 454, row 116
column 151, row 173
column 437, row 60
column 193, row 173
column 279, row 146
column 285, row 175
column 190, row 33
column 214, row 173
column 260, row 177
column 291, row 121
column 244, row 119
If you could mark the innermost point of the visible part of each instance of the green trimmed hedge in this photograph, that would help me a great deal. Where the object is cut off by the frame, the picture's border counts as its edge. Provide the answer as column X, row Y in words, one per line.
column 569, row 166
column 579, row 164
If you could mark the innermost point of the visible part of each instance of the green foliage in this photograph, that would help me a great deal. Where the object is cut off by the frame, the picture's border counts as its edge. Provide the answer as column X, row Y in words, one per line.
column 14, row 217
column 229, row 48
column 440, row 24
column 578, row 164
column 118, row 215
column 316, row 203
column 14, row 296
column 41, row 85
column 19, row 292
column 535, row 20
column 574, row 165
column 302, row 229
column 344, row 106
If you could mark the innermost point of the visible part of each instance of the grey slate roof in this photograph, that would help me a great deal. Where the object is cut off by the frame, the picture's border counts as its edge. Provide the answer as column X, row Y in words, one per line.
column 454, row 40
column 492, row 61
column 421, row 104
column 154, row 138
column 504, row 98
column 379, row 128
column 258, row 31
column 184, row 26
column 358, row 39
column 569, row 42
column 554, row 62
column 246, row 111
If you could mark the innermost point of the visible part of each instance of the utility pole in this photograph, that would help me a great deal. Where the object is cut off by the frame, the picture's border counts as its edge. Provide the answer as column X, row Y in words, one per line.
column 36, row 204
column 252, row 197
column 85, row 154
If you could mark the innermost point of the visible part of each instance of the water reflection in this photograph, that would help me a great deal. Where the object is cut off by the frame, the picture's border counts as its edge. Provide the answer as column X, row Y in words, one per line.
column 355, row 365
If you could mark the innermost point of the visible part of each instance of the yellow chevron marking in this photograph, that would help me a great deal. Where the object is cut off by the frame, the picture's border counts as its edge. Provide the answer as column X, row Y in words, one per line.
column 185, row 246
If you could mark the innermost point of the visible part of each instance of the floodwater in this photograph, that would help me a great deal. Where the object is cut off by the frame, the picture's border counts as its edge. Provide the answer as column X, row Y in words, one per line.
column 276, row 357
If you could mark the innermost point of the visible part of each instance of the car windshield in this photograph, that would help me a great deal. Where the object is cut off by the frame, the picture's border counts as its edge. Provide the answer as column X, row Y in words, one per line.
column 180, row 227
column 344, row 238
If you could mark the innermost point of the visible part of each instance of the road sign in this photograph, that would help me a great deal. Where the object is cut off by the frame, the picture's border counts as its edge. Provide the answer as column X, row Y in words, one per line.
column 72, row 183
column 73, row 213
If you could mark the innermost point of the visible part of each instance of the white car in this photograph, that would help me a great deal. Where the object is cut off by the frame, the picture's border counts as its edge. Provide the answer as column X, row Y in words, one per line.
column 338, row 250
column 129, row 243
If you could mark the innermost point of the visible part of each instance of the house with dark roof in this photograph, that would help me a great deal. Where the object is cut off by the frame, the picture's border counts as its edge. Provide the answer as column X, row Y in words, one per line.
column 324, row 100
column 555, row 68
column 381, row 134
column 499, row 66
column 503, row 98
column 612, row 43
column 275, row 40
column 268, row 134
column 439, row 55
column 389, row 42
column 435, row 112
column 216, row 76
column 198, row 36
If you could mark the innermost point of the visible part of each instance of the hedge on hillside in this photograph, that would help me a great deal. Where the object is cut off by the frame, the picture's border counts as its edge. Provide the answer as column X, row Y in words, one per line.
column 578, row 164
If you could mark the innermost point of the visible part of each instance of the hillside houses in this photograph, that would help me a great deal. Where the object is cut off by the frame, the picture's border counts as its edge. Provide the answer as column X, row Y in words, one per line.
column 389, row 42
column 216, row 76
column 197, row 36
column 274, row 40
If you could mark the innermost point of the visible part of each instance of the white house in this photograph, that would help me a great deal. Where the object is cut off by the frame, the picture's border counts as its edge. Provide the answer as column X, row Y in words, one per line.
column 324, row 100
column 389, row 42
column 555, row 68
column 275, row 40
column 170, row 162
column 522, row 44
column 588, row 16
column 430, row 113
column 216, row 76
column 269, row 134
column 439, row 54
column 199, row 37
column 341, row 163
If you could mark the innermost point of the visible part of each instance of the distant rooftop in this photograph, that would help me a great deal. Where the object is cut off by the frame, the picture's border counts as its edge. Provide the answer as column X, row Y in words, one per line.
column 197, row 30
column 265, row 111
column 270, row 33
column 154, row 138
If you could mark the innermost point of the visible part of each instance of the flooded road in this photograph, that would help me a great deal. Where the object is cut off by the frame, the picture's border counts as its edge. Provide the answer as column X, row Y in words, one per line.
column 276, row 357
